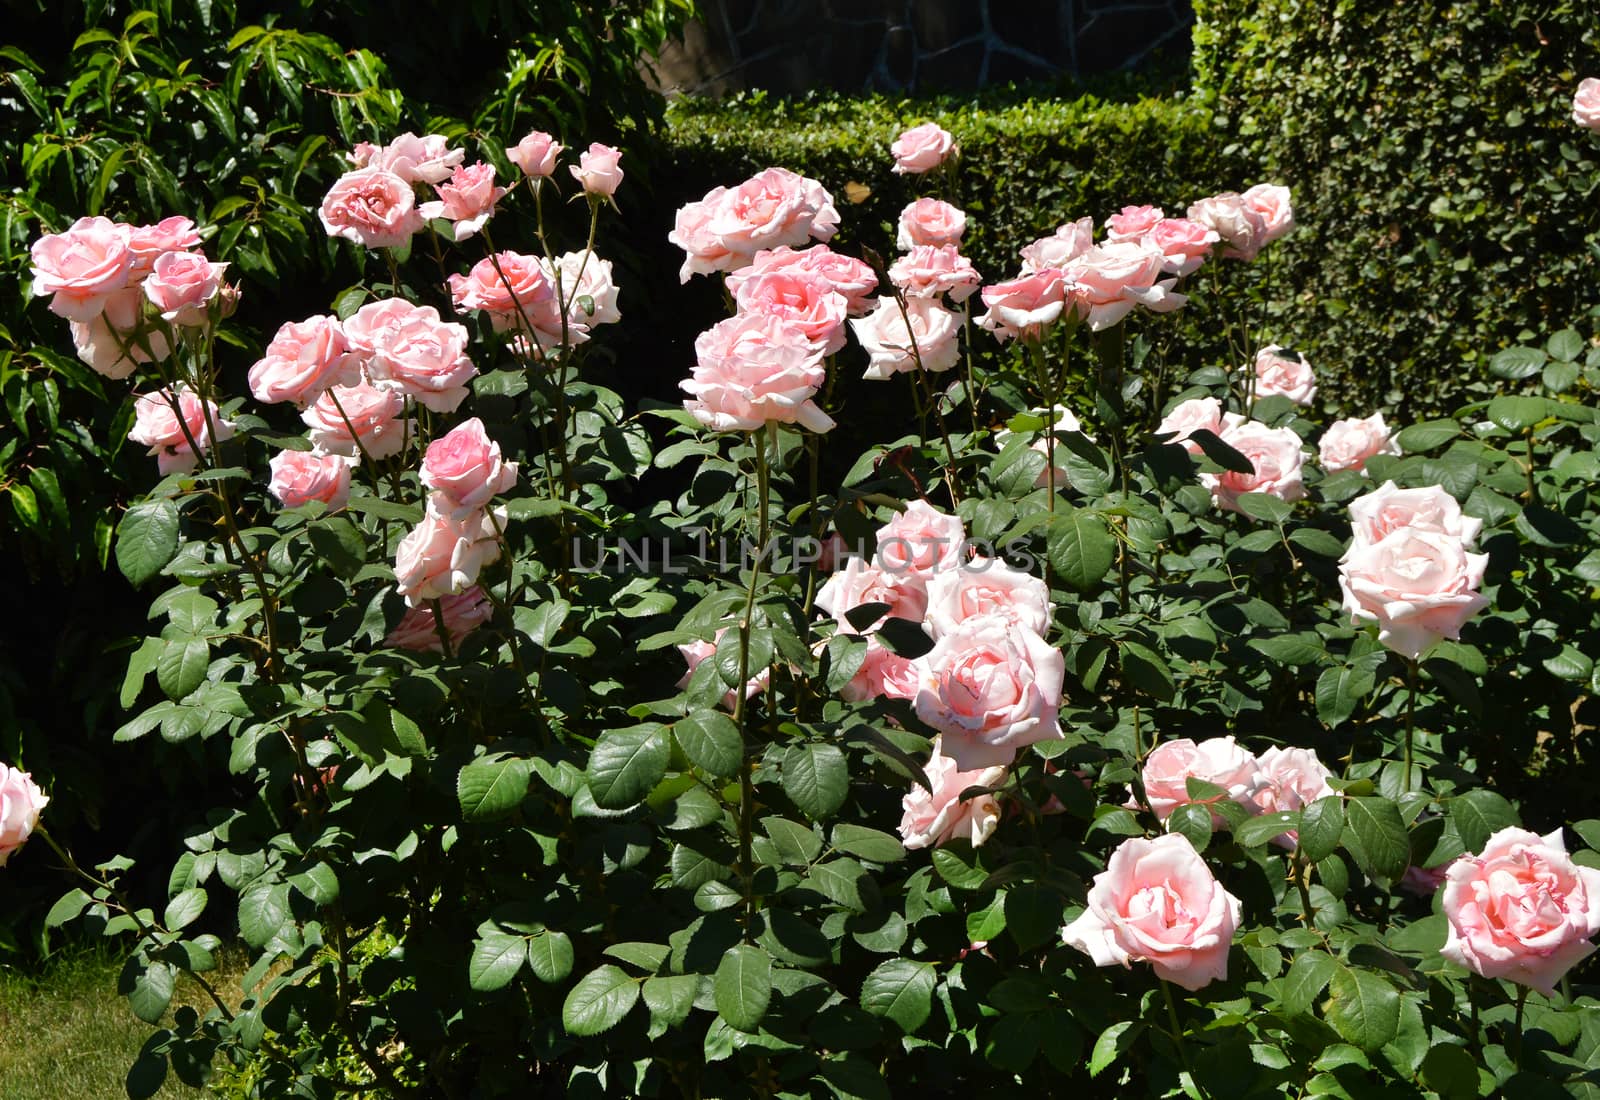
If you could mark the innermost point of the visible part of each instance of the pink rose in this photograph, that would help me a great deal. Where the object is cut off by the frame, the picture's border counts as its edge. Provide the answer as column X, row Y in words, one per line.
column 156, row 425
column 804, row 299
column 1273, row 452
column 859, row 583
column 1271, row 203
column 81, row 267
column 1158, row 902
column 1347, row 444
column 930, row 221
column 1390, row 508
column 1279, row 376
column 935, row 818
column 847, row 276
column 372, row 207
column 1292, row 780
column 1066, row 421
column 883, row 673
column 441, row 556
column 585, row 275
column 1521, row 910
column 1586, row 104
column 927, row 271
column 704, row 249
column 370, row 415
column 1133, row 222
column 303, row 359
column 987, row 586
column 921, row 149
column 182, row 286
column 514, row 290
column 1024, row 307
column 921, row 541
column 1056, row 251
column 148, row 243
column 535, row 154
column 464, row 612
column 931, row 341
column 774, row 207
column 1196, row 414
column 1218, row 760
column 467, row 200
column 753, row 369
column 1183, row 244
column 991, row 687
column 1240, row 227
column 116, row 340
column 696, row 652
column 1106, row 282
column 598, row 169
column 427, row 159
column 21, row 802
column 464, row 470
column 424, row 358
column 1418, row 585
column 301, row 476
column 367, row 328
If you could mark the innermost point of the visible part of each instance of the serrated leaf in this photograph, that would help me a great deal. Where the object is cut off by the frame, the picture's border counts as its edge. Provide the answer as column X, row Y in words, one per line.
column 1478, row 814
column 795, row 843
column 867, row 843
column 1292, row 649
column 1212, row 446
column 495, row 960
column 68, row 907
column 625, row 764
column 1112, row 1042
column 1340, row 691
column 1375, row 834
column 1364, row 1008
column 1265, row 507
column 318, row 883
column 487, row 789
column 1427, row 435
column 1262, row 828
column 742, row 987
column 263, row 911
column 1515, row 414
column 1146, row 670
column 1192, row 821
column 670, row 998
column 816, row 777
column 710, row 739
column 1518, row 363
column 902, row 991
column 599, row 1001
column 152, row 991
column 181, row 666
column 1321, row 825
column 550, row 956
column 184, row 909
column 147, row 539
column 1307, row 977
column 1080, row 548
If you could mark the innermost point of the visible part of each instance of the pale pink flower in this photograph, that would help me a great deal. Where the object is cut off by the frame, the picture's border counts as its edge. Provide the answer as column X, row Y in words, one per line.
column 703, row 248
column 1276, row 457
column 1183, row 244
column 1217, row 760
column 82, row 267
column 303, row 359
column 599, row 169
column 1107, row 281
column 772, row 208
column 426, row 159
column 1277, row 375
column 182, row 286
column 464, row 470
column 1419, row 586
column 535, row 154
column 1347, row 444
column 1271, row 203
column 1586, row 104
column 931, row 340
column 921, row 541
column 1066, row 244
column 148, row 243
column 467, row 200
column 375, row 415
column 1390, row 508
column 372, row 207
column 464, row 612
column 1133, row 222
column 21, row 802
column 696, row 652
column 156, row 425
column 935, row 818
column 1292, row 780
column 847, row 276
column 921, row 149
column 301, row 476
column 927, row 271
column 116, row 340
column 753, row 369
column 930, row 222
column 506, row 284
column 424, row 358
column 442, row 556
column 1241, row 228
column 1024, row 307
column 987, row 586
column 1193, row 415
column 803, row 298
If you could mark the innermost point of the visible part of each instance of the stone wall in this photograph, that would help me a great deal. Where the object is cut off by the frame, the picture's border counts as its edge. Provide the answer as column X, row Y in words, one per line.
column 792, row 46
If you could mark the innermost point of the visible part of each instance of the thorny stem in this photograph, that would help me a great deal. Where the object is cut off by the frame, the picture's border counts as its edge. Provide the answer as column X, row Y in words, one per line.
column 746, row 786
column 1411, row 705
column 440, row 629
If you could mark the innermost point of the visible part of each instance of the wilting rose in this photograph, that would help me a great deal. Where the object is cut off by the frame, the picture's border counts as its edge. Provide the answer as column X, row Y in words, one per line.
column 81, row 267
column 441, row 555
column 372, row 207
column 21, row 802
column 424, row 358
column 464, row 612
column 148, row 243
column 772, row 208
column 1133, row 222
column 692, row 232
column 505, row 284
column 847, row 276
column 1390, row 508
column 1025, row 306
column 1056, row 251
column 1292, row 780
column 115, row 341
column 156, row 425
column 1277, row 375
column 303, row 359
column 755, row 369
column 535, row 154
column 920, row 541
column 1218, row 760
column 927, row 271
column 182, row 286
column 1347, row 444
column 1183, row 244
column 1276, row 457
column 1066, row 421
column 376, row 417
column 1196, row 414
column 921, row 149
column 1241, row 227
column 1158, row 902
column 930, row 221
column 1521, row 910
column 1106, row 282
column 696, row 652
column 426, row 159
column 584, row 275
column 301, row 476
column 465, row 471
column 467, row 200
column 1271, row 203
column 991, row 687
column 935, row 818
column 931, row 340
column 599, row 169
column 987, row 586
column 1418, row 585
column 802, row 298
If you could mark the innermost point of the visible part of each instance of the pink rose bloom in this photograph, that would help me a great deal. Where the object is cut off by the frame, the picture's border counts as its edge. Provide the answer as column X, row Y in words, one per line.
column 427, row 159
column 115, row 341
column 920, row 541
column 156, row 426
column 467, row 199
column 1158, row 902
column 1066, row 421
column 804, row 299
column 1293, row 779
column 859, row 583
column 1056, row 251
column 927, row 271
column 301, row 476
column 1390, row 508
column 1133, row 222
column 935, row 818
column 442, row 556
column 1279, row 376
column 1274, row 452
column 1240, row 227
column 1418, row 585
column 522, row 282
column 424, row 358
column 883, row 673
column 535, row 154
column 464, row 612
column 1183, row 244
column 991, row 687
column 930, row 221
column 691, row 231
column 182, row 286
column 1025, row 306
column 303, row 359
column 774, row 207
column 377, row 417
column 371, row 207
column 369, row 327
column 1347, row 444
column 696, row 652
column 1196, row 414
column 598, row 169
column 464, row 470
column 148, row 243
column 921, row 149
column 847, row 276
column 1586, row 104
column 585, row 275
column 987, row 586
column 754, row 369
column 21, row 802
column 1109, row 280
column 1521, row 910
column 1219, row 760
column 81, row 267
column 1271, row 203
column 931, row 341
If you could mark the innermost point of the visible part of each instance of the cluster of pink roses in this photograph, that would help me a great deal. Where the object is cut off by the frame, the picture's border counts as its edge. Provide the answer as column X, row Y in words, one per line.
column 463, row 471
column 1408, row 568
column 21, row 802
column 1276, row 780
column 1274, row 453
column 547, row 303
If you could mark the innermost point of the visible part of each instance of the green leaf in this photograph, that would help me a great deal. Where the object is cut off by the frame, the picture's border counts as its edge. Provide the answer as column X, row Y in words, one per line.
column 1292, row 649
column 318, row 883
column 181, row 667
column 147, row 539
column 1265, row 507
column 1427, row 435
column 902, row 990
column 1365, row 1008
column 1375, row 834
column 551, row 957
column 1113, row 1041
column 487, row 789
column 1146, row 670
column 1262, row 828
column 184, row 909
column 148, row 1073
column 1565, row 345
column 854, row 1077
column 670, row 999
column 1192, row 821
column 742, row 987
column 1569, row 664
column 263, row 911
column 70, row 905
column 496, row 958
column 1518, row 413
column 816, row 777
column 151, row 992
column 1033, row 915
column 1080, row 548
column 796, row 844
column 1307, row 977
column 1321, row 825
column 1515, row 364
column 340, row 543
column 867, row 843
column 1212, row 446
column 1341, row 690
column 625, row 764
column 1451, row 1072
column 710, row 739
column 1478, row 814
column 599, row 1001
